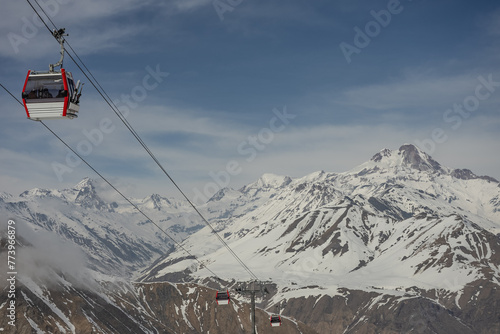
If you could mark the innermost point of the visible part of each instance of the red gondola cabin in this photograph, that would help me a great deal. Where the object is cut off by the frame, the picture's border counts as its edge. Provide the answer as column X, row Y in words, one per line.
column 222, row 297
column 50, row 95
column 275, row 320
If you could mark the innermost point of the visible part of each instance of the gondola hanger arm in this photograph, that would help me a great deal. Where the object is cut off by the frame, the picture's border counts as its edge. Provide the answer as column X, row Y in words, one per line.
column 59, row 35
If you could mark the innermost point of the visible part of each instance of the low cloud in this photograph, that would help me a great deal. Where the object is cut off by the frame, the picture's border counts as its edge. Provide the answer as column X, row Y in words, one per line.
column 44, row 257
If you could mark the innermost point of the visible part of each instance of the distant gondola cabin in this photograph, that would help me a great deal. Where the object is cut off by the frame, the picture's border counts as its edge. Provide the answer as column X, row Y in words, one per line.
column 275, row 320
column 222, row 297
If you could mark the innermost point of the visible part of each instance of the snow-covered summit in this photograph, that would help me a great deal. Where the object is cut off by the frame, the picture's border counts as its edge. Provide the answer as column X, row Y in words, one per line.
column 269, row 180
column 416, row 158
column 85, row 187
column 407, row 157
column 35, row 192
column 85, row 183
column 87, row 196
column 155, row 202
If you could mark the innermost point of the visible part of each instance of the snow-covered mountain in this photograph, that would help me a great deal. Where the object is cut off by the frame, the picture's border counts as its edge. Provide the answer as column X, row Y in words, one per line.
column 399, row 244
column 114, row 236
column 400, row 225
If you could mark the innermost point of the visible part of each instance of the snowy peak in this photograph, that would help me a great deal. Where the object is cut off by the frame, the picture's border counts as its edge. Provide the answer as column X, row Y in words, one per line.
column 382, row 154
column 87, row 195
column 84, row 194
column 269, row 180
column 156, row 202
column 273, row 181
column 415, row 158
column 408, row 155
column 86, row 182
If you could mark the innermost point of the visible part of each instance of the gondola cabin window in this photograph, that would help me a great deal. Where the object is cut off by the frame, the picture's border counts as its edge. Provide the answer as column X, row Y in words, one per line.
column 46, row 88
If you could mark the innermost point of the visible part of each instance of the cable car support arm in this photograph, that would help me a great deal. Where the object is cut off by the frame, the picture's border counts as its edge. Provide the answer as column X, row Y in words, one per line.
column 59, row 35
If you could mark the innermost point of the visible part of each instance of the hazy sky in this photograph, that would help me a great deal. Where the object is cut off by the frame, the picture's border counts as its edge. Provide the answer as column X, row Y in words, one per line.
column 253, row 86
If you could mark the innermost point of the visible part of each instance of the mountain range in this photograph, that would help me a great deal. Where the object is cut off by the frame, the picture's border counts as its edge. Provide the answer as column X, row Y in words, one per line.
column 399, row 244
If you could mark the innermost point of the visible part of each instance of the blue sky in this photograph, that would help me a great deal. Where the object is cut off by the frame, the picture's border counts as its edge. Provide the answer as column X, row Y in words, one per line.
column 230, row 73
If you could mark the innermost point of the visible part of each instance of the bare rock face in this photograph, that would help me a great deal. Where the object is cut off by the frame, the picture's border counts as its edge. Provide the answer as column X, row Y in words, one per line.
column 467, row 174
column 139, row 308
column 370, row 312
column 87, row 196
column 379, row 156
column 417, row 159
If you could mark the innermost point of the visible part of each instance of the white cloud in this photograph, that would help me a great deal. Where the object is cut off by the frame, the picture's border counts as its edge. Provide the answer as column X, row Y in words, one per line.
column 45, row 254
column 186, row 5
column 90, row 23
column 95, row 40
column 491, row 23
column 190, row 144
column 412, row 91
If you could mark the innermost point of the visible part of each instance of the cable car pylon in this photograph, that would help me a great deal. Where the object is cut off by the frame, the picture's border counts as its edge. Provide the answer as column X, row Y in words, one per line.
column 252, row 289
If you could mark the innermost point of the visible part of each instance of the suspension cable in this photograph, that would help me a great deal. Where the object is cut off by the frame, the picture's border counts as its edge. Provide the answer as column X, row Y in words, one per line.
column 118, row 113
column 118, row 191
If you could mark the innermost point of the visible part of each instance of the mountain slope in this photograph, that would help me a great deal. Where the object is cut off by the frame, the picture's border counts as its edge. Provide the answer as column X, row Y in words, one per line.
column 115, row 238
column 398, row 225
column 120, row 307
